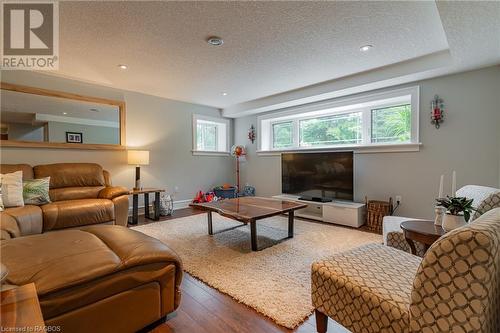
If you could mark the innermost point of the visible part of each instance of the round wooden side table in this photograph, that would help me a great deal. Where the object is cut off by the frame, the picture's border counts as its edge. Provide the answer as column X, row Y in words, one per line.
column 424, row 232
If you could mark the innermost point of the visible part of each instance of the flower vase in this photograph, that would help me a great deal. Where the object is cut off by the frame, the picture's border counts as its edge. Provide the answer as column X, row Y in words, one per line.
column 451, row 222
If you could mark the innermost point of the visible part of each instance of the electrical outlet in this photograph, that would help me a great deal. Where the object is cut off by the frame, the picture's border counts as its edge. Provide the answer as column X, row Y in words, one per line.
column 399, row 199
column 176, row 189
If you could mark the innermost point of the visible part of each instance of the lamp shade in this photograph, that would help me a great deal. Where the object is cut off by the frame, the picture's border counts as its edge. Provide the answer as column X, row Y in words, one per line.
column 138, row 157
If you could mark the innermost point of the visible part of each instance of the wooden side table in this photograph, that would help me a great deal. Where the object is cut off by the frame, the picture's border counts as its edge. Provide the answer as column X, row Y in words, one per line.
column 135, row 204
column 424, row 232
column 20, row 310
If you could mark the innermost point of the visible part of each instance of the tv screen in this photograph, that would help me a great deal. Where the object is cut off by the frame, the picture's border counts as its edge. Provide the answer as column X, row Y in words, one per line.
column 318, row 175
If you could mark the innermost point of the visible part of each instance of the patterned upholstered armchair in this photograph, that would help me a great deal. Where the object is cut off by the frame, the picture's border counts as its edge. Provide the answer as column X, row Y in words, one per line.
column 485, row 199
column 455, row 287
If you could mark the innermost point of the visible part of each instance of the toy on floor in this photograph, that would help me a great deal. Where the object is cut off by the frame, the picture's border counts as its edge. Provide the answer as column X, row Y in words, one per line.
column 205, row 197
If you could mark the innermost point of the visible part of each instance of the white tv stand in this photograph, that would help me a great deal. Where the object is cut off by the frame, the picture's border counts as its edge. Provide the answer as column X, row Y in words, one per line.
column 347, row 213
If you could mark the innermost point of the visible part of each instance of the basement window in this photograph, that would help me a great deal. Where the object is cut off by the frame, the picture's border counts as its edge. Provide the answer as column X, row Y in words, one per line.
column 210, row 135
column 386, row 121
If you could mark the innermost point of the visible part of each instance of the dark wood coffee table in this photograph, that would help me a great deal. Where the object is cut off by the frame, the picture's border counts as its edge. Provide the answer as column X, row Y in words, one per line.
column 249, row 210
column 424, row 232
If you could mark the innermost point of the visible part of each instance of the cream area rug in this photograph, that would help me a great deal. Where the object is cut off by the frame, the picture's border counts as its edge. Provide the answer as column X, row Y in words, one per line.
column 275, row 281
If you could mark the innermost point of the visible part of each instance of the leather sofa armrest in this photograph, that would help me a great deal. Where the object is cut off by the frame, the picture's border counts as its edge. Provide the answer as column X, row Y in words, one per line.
column 121, row 210
column 112, row 192
column 8, row 227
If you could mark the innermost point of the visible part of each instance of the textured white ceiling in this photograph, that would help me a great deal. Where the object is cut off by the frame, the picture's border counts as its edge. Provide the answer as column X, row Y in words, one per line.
column 269, row 47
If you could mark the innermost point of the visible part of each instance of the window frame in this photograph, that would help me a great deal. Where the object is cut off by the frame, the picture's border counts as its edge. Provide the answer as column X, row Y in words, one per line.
column 224, row 147
column 364, row 103
column 282, row 122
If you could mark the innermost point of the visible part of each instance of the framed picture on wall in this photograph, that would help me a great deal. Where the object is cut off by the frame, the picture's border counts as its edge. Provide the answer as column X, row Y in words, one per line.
column 74, row 137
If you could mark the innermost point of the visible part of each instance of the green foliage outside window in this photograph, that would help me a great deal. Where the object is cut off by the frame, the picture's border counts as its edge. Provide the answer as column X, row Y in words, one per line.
column 206, row 137
column 283, row 135
column 332, row 130
column 391, row 124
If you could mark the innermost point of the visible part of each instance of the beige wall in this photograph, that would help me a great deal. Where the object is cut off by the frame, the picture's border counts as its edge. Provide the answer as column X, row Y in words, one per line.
column 468, row 142
column 160, row 125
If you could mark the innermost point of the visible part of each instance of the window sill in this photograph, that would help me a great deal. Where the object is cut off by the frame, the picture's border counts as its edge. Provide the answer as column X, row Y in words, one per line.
column 209, row 153
column 359, row 149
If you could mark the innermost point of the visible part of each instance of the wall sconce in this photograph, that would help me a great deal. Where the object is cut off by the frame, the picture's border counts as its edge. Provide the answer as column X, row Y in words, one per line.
column 437, row 111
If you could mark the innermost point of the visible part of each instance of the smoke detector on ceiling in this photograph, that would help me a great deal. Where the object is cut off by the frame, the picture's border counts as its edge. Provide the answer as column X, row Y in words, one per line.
column 215, row 41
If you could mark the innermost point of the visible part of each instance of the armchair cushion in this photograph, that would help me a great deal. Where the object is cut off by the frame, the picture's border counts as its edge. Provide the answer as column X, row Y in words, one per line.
column 484, row 198
column 393, row 236
column 71, row 174
column 457, row 286
column 25, row 168
column 112, row 192
column 74, row 193
column 366, row 289
column 75, row 213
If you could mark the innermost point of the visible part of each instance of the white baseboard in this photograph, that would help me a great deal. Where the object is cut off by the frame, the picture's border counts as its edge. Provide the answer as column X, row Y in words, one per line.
column 179, row 204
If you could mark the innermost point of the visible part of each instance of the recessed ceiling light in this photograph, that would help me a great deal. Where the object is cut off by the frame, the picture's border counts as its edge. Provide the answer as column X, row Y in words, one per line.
column 123, row 66
column 215, row 41
column 65, row 113
column 224, row 94
column 365, row 48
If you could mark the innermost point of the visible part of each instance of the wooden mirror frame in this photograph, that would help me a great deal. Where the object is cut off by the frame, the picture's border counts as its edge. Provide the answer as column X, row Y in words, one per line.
column 60, row 94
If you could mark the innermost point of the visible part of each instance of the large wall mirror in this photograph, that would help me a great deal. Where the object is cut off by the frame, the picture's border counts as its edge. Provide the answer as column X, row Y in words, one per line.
column 33, row 117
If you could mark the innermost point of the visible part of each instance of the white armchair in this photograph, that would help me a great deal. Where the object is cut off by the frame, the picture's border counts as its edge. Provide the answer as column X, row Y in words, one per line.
column 485, row 199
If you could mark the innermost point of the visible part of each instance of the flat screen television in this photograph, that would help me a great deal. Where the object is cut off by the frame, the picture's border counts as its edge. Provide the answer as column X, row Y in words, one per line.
column 318, row 176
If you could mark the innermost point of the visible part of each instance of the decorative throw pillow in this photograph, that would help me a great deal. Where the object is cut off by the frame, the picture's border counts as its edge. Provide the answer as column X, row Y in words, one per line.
column 12, row 189
column 36, row 191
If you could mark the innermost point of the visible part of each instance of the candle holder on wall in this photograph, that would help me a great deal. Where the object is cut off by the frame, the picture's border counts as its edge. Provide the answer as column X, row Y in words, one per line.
column 251, row 134
column 437, row 111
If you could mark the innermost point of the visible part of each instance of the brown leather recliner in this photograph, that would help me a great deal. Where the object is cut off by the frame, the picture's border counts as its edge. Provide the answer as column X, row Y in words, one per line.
column 98, row 279
column 81, row 194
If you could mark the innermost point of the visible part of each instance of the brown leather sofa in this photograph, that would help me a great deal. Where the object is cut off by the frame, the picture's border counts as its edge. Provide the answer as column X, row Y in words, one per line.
column 100, row 278
column 81, row 194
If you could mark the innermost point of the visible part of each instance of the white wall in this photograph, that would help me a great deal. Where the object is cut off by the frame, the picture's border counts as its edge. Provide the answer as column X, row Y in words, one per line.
column 25, row 132
column 160, row 125
column 468, row 142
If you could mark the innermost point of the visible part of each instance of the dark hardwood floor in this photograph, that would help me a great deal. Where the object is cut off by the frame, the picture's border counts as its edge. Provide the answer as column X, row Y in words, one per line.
column 206, row 310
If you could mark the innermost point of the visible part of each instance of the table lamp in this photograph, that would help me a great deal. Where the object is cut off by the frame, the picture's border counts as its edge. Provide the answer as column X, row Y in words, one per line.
column 138, row 158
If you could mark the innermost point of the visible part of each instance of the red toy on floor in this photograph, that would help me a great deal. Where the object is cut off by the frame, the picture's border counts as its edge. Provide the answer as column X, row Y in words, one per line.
column 204, row 197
